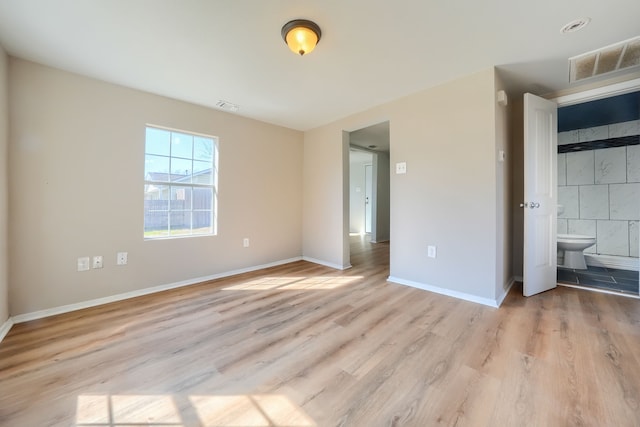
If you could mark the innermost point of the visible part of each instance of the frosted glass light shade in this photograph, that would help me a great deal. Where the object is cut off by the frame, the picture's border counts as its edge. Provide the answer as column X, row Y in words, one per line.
column 301, row 36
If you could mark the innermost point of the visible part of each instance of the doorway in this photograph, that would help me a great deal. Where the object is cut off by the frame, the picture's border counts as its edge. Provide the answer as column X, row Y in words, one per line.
column 617, row 225
column 599, row 192
column 360, row 191
column 369, row 184
column 368, row 196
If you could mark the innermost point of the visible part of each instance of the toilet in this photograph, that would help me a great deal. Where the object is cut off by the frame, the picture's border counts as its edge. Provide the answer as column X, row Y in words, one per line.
column 572, row 245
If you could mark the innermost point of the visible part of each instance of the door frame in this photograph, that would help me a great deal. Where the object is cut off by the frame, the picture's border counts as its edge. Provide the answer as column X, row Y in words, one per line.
column 598, row 93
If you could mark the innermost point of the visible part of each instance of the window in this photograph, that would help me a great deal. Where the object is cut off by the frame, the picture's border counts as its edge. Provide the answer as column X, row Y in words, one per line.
column 180, row 183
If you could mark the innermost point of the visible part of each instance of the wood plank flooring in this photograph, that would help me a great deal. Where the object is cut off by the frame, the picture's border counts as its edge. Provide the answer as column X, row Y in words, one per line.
column 303, row 345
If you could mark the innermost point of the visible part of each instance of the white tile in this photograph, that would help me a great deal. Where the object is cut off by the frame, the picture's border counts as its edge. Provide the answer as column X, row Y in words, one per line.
column 580, row 168
column 568, row 197
column 562, row 169
column 562, row 226
column 625, row 201
column 585, row 227
column 613, row 238
column 633, row 163
column 594, row 202
column 568, row 137
column 593, row 134
column 624, row 129
column 634, row 241
column 611, row 165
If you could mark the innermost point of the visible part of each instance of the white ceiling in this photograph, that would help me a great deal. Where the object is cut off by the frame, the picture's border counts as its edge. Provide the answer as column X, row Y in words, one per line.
column 371, row 51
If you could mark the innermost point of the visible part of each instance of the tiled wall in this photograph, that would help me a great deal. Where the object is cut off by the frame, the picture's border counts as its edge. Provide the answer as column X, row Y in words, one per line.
column 600, row 190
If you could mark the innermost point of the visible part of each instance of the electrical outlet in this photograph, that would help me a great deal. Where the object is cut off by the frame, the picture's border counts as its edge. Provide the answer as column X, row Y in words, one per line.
column 245, row 242
column 97, row 261
column 83, row 263
column 431, row 251
column 122, row 258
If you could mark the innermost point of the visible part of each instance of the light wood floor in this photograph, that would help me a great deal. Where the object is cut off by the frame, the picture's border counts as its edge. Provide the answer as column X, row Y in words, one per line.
column 304, row 345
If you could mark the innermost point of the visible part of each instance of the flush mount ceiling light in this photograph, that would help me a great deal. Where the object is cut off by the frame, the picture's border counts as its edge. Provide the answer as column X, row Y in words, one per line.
column 301, row 35
column 574, row 26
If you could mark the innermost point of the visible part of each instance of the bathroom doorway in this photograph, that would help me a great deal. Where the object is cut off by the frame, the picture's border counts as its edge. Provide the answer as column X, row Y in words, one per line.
column 598, row 218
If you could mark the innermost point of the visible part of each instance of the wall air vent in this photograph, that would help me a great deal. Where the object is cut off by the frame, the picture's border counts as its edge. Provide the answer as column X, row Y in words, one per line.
column 225, row 105
column 616, row 57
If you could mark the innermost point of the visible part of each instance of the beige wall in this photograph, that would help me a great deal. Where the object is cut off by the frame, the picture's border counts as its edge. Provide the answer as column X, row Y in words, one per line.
column 504, row 263
column 4, row 187
column 323, row 227
column 77, row 156
column 448, row 198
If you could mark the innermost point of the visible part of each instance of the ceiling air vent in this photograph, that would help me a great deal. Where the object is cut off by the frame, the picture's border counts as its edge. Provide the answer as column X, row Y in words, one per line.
column 616, row 57
column 225, row 105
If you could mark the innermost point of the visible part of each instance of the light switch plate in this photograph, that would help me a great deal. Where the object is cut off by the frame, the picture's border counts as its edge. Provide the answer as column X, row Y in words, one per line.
column 401, row 168
column 83, row 263
column 431, row 252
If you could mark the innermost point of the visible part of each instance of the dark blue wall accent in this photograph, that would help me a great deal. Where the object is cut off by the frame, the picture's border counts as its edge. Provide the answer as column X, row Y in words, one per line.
column 621, row 108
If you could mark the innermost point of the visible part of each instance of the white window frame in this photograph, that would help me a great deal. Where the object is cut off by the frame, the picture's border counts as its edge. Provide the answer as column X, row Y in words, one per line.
column 169, row 184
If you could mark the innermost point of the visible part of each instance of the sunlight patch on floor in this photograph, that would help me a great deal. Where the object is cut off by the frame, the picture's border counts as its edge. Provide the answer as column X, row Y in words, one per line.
column 250, row 411
column 294, row 283
column 260, row 410
column 121, row 410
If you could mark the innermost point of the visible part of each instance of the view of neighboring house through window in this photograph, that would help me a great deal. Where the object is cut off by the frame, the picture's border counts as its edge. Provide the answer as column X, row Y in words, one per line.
column 180, row 180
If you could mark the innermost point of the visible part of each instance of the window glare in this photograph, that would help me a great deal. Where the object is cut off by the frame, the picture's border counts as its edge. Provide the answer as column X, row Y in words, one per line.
column 181, row 145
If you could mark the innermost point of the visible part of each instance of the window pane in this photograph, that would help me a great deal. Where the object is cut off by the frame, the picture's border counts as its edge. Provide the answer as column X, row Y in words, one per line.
column 180, row 170
column 201, row 172
column 180, row 198
column 202, row 221
column 156, row 211
column 180, row 222
column 156, row 168
column 203, row 148
column 157, row 141
column 181, row 145
column 157, row 192
column 202, row 198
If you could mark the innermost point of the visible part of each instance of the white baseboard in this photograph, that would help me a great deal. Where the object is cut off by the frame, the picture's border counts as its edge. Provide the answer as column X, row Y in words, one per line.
column 26, row 317
column 619, row 262
column 4, row 329
column 326, row 264
column 456, row 294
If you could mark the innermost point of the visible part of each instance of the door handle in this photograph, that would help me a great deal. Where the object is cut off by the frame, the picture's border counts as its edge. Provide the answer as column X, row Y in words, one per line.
column 531, row 205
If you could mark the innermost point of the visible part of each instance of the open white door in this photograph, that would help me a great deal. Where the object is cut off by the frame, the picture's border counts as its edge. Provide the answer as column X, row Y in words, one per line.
column 540, row 195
